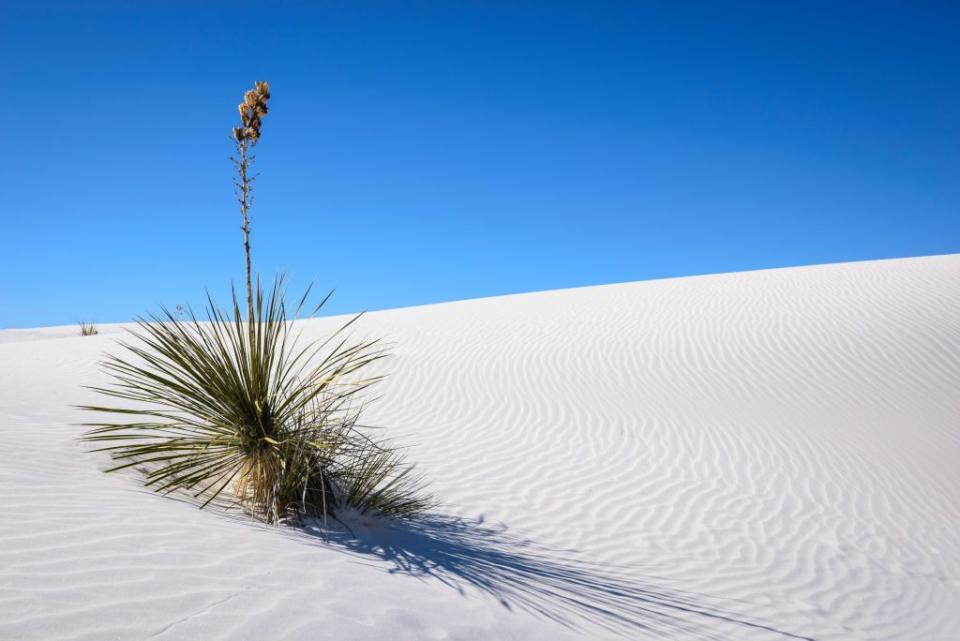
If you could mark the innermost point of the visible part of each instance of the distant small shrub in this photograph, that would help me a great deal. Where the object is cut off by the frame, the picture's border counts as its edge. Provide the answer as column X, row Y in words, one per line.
column 87, row 329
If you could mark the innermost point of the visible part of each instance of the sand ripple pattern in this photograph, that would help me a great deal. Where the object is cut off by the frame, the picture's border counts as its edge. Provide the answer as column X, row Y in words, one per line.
column 764, row 455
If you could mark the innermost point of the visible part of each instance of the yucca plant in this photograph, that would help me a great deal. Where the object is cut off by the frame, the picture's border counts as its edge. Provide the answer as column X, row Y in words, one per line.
column 237, row 410
column 251, row 415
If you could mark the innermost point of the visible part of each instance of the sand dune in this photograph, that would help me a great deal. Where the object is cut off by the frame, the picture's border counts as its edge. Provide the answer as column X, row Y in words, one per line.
column 763, row 455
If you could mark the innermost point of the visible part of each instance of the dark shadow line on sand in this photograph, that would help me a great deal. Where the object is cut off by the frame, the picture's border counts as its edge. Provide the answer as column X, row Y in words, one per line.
column 523, row 574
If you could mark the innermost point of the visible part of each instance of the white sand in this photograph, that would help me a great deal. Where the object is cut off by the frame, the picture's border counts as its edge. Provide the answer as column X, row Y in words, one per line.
column 766, row 455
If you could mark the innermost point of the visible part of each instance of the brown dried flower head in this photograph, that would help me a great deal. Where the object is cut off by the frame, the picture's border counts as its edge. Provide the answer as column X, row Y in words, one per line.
column 252, row 110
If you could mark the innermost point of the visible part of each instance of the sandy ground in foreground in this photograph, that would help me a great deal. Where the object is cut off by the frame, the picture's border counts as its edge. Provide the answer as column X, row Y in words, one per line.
column 762, row 455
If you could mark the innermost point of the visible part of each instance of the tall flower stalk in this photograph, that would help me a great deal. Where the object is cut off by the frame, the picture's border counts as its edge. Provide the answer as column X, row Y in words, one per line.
column 252, row 110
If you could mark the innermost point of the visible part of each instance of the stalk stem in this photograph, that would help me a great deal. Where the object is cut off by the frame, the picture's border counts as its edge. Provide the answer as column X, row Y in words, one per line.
column 244, row 207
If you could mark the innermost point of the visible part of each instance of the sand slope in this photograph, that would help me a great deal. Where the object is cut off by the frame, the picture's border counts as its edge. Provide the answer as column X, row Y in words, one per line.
column 765, row 455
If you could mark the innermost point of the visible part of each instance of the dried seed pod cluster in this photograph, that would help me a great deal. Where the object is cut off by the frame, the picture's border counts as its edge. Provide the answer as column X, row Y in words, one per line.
column 252, row 110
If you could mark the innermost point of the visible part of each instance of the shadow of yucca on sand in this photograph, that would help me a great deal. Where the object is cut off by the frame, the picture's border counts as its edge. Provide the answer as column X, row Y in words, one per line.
column 549, row 582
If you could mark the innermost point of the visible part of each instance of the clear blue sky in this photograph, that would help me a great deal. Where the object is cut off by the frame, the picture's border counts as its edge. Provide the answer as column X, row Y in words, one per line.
column 422, row 152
